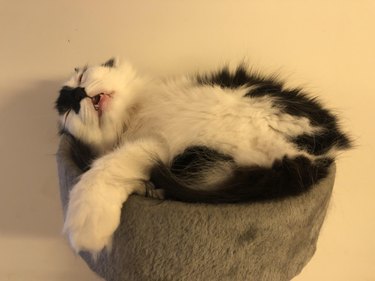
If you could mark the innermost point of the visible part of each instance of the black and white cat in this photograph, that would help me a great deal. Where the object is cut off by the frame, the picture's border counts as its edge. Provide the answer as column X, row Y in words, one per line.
column 226, row 137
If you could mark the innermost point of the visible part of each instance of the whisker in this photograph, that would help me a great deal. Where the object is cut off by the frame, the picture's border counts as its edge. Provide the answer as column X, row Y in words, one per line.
column 66, row 117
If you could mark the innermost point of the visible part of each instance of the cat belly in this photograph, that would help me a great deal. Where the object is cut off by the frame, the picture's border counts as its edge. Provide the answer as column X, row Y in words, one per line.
column 251, row 137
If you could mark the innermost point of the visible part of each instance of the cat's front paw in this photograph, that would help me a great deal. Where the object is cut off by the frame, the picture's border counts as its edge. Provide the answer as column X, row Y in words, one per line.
column 93, row 214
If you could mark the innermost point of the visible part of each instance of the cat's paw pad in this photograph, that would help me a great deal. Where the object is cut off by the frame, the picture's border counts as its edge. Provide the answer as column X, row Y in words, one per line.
column 92, row 217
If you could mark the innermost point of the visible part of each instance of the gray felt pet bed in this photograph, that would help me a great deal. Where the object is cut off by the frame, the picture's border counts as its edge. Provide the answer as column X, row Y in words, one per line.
column 174, row 241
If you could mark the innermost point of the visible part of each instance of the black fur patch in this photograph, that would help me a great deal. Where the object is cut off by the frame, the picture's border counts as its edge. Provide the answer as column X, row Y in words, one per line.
column 109, row 63
column 70, row 98
column 297, row 103
column 81, row 154
column 291, row 101
column 287, row 177
column 239, row 78
column 194, row 159
column 319, row 144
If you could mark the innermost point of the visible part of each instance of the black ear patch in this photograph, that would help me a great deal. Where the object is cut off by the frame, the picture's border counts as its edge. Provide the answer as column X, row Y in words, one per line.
column 110, row 63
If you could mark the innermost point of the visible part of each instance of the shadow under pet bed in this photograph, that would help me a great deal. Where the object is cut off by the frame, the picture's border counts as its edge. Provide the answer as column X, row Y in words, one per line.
column 175, row 241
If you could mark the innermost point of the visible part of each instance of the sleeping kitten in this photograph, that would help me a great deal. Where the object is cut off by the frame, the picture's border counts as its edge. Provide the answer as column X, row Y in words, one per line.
column 221, row 138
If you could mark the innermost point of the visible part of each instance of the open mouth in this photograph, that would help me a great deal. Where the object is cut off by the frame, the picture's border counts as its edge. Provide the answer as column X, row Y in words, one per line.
column 96, row 101
column 100, row 102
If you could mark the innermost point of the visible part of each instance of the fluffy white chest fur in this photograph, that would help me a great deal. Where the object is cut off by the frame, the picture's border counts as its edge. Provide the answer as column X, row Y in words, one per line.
column 224, row 137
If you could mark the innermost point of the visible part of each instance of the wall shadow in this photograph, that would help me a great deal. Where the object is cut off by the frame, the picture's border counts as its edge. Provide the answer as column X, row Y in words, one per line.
column 29, row 202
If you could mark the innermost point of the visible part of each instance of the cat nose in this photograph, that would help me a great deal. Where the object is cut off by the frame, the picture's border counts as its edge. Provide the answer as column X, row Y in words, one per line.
column 79, row 93
column 70, row 98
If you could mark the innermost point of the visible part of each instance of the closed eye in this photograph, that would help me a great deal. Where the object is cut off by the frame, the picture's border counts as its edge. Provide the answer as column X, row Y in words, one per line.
column 80, row 78
column 81, row 75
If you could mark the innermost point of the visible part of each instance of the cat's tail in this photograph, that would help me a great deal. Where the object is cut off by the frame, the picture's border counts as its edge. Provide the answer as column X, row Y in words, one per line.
column 287, row 177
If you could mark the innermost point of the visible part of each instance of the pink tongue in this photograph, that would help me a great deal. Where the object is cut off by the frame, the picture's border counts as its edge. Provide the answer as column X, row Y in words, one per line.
column 103, row 102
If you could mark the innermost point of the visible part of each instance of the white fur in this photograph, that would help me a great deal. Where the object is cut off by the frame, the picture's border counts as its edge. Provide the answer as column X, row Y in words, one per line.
column 95, row 201
column 148, row 120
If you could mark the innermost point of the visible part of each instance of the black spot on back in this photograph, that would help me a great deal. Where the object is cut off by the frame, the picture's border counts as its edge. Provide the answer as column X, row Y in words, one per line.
column 321, row 143
column 239, row 78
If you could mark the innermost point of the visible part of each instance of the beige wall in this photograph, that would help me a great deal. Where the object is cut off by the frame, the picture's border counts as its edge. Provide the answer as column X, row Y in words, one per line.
column 327, row 46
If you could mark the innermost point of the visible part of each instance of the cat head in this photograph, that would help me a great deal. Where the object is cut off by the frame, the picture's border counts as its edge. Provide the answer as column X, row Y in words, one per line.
column 90, row 102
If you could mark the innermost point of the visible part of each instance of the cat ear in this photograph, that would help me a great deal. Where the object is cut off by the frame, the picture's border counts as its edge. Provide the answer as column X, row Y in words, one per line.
column 112, row 62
